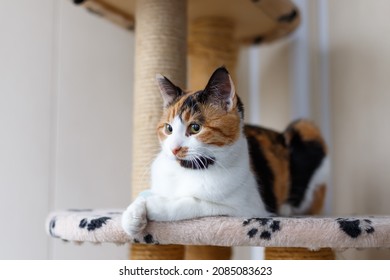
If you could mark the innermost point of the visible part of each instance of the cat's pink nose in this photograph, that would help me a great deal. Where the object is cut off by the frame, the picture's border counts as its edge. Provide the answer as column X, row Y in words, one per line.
column 175, row 151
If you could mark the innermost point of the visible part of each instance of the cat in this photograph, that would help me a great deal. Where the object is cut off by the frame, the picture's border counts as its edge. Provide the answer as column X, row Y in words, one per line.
column 212, row 164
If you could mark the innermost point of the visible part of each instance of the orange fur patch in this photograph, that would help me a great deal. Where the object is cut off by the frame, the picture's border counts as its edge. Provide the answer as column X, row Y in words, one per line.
column 277, row 156
column 308, row 131
column 219, row 127
column 182, row 153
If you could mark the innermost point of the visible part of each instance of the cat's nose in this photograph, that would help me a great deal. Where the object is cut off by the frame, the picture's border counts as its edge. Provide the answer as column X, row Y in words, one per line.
column 176, row 150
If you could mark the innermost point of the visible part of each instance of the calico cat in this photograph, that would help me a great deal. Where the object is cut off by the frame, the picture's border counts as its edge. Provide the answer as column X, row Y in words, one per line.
column 212, row 164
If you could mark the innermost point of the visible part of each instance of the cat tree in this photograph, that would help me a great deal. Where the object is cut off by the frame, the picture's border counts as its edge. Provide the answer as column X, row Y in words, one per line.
column 216, row 29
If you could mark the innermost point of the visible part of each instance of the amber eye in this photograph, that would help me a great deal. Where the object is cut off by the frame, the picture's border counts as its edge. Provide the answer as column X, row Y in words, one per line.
column 194, row 128
column 168, row 129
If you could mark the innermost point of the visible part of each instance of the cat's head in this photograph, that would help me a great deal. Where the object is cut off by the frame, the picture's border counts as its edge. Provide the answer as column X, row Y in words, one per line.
column 196, row 126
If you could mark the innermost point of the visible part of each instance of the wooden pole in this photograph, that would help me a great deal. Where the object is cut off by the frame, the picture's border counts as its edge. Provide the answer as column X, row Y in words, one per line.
column 161, row 47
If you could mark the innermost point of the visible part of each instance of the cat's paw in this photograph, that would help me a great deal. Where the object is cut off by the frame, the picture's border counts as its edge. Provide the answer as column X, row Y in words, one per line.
column 158, row 208
column 134, row 218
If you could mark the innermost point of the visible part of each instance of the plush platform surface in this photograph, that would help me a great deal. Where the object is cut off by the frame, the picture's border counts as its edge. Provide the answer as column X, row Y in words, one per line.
column 309, row 232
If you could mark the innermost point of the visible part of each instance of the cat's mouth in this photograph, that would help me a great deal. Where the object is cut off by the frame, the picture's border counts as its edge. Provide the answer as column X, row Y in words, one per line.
column 199, row 162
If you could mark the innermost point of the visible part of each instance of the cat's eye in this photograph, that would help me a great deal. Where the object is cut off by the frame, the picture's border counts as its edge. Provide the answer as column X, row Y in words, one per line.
column 194, row 128
column 168, row 129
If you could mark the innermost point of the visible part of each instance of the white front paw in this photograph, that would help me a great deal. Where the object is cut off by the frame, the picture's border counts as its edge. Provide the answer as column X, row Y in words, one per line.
column 158, row 208
column 134, row 218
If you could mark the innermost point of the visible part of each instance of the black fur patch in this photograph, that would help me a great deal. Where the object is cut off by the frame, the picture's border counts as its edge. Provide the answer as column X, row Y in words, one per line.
column 198, row 163
column 264, row 176
column 93, row 224
column 191, row 104
column 240, row 107
column 305, row 158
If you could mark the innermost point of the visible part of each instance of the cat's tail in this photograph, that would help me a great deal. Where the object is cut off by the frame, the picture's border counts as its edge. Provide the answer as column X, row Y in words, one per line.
column 309, row 168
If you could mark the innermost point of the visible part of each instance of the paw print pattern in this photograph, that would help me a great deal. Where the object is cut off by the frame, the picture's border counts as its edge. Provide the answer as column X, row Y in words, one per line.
column 355, row 227
column 264, row 227
column 94, row 223
column 148, row 239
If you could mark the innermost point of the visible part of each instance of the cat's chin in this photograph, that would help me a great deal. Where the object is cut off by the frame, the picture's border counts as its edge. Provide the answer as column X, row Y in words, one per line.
column 198, row 163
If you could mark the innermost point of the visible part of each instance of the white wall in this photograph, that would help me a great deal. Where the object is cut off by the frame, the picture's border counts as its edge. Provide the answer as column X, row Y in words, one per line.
column 65, row 119
column 360, row 93
column 26, row 48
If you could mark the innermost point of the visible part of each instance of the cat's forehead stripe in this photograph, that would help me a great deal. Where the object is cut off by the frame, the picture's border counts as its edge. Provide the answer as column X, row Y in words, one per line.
column 190, row 104
column 187, row 107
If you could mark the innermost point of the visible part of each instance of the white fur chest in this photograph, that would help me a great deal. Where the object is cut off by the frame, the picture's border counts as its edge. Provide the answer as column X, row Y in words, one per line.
column 169, row 179
column 229, row 181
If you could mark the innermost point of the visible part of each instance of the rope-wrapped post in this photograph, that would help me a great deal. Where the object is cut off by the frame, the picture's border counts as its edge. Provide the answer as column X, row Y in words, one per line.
column 161, row 47
column 290, row 253
column 210, row 45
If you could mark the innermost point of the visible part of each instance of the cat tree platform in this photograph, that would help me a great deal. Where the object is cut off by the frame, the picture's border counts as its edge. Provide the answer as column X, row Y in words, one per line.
column 255, row 21
column 100, row 226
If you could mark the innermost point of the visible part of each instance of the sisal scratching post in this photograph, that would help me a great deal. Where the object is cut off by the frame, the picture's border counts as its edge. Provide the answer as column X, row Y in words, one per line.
column 161, row 43
column 210, row 45
column 290, row 253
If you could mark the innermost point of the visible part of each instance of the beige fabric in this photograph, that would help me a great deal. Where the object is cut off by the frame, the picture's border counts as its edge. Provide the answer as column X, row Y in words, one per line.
column 306, row 232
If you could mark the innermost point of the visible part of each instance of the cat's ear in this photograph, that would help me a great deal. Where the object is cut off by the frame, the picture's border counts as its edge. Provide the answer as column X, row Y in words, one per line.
column 220, row 89
column 168, row 90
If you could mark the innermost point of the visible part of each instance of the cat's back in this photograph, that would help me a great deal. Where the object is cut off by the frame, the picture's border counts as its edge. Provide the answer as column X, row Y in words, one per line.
column 284, row 163
column 270, row 164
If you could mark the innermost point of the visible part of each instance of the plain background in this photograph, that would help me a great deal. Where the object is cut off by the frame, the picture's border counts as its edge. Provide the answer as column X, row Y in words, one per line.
column 66, row 81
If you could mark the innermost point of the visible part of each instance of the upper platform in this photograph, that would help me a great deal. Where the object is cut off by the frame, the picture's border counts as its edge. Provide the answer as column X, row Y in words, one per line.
column 255, row 20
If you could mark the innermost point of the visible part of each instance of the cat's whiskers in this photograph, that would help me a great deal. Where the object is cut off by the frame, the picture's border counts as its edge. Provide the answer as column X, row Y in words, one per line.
column 194, row 162
column 197, row 157
column 199, row 160
column 211, row 158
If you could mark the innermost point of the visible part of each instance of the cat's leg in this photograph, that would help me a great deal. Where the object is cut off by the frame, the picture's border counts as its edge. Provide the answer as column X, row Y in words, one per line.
column 158, row 208
column 134, row 217
column 172, row 209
